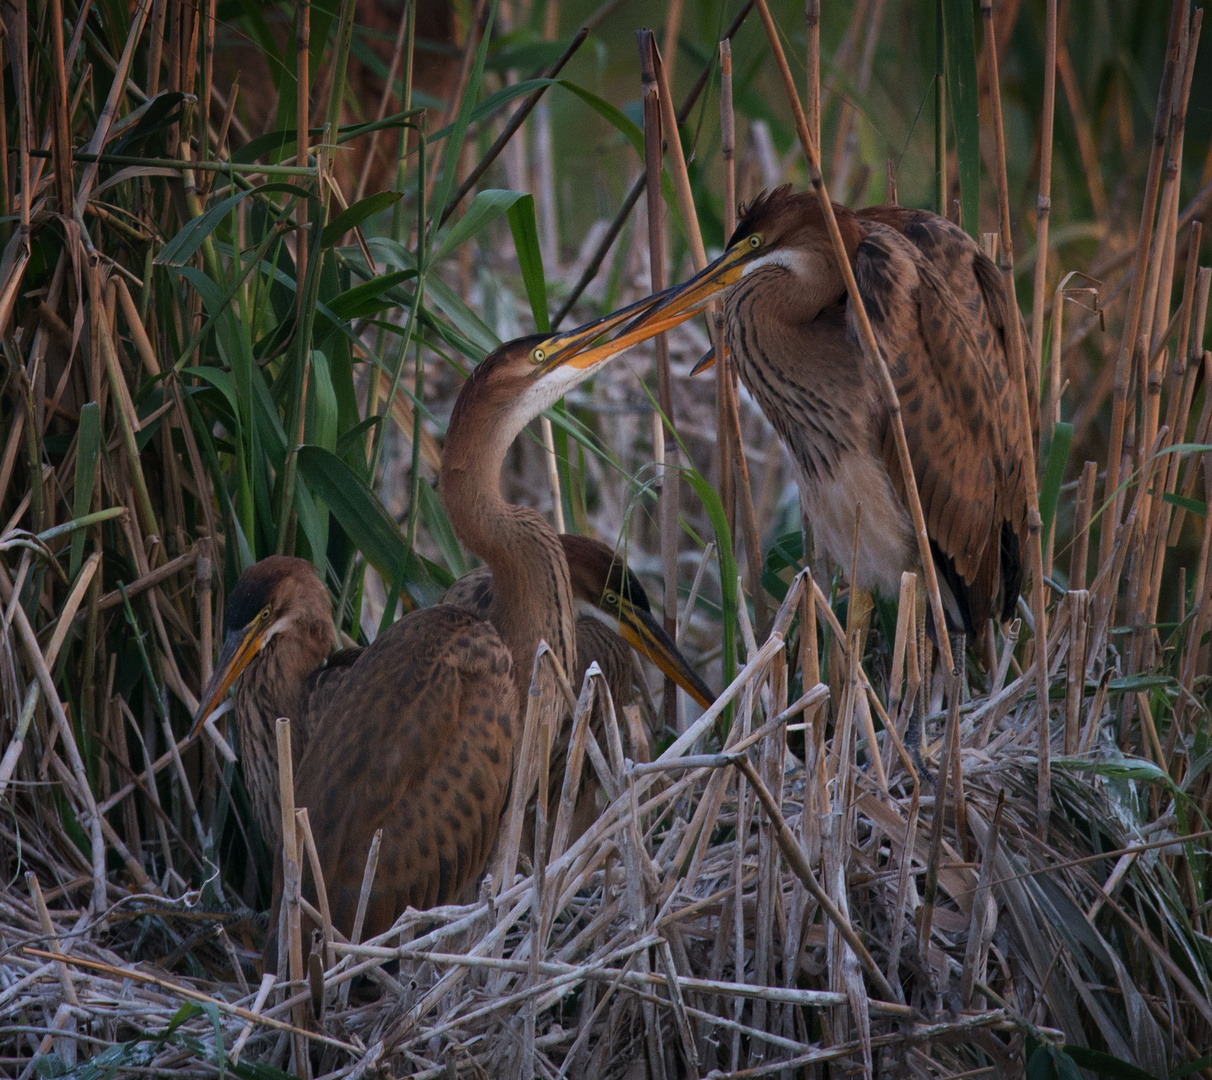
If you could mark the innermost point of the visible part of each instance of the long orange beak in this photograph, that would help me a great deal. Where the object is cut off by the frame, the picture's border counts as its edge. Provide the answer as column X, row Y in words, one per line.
column 706, row 361
column 648, row 637
column 655, row 314
column 686, row 300
column 647, row 318
column 239, row 648
column 651, row 316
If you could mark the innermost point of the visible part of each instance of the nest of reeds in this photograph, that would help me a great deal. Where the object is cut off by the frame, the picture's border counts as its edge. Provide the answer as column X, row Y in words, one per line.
column 216, row 345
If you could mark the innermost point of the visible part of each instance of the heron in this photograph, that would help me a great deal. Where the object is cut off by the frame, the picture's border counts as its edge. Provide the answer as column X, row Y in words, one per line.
column 936, row 306
column 613, row 612
column 417, row 733
column 614, row 623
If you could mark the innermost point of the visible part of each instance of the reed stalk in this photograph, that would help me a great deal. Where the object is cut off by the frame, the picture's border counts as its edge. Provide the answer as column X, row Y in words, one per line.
column 1123, row 362
column 1044, row 202
column 664, row 433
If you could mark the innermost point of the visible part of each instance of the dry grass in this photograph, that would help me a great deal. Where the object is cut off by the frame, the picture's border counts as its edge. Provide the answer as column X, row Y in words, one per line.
column 774, row 890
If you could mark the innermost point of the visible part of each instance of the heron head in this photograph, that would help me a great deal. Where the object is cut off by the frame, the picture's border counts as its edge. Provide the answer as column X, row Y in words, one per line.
column 780, row 228
column 521, row 378
column 273, row 597
column 612, row 593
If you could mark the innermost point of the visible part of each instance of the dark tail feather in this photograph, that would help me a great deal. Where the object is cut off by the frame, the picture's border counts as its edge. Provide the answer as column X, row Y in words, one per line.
column 1012, row 571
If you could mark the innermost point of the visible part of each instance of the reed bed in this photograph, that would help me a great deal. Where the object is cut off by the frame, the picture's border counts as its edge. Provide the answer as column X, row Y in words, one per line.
column 220, row 342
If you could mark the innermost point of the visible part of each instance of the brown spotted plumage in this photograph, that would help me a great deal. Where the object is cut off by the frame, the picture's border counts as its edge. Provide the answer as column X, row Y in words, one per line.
column 281, row 612
column 417, row 733
column 609, row 600
column 937, row 310
column 613, row 619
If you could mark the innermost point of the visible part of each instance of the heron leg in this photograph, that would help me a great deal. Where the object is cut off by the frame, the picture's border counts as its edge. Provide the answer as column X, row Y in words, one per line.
column 913, row 742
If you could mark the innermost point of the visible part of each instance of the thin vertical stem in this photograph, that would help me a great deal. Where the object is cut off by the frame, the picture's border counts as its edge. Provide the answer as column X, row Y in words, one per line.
column 1081, row 526
column 698, row 254
column 544, row 155
column 474, row 29
column 302, row 114
column 291, row 879
column 940, row 112
column 6, row 199
column 553, row 472
column 397, row 58
column 1123, row 362
column 1044, row 203
column 155, row 49
column 812, row 22
column 189, row 59
column 60, row 132
column 1019, row 373
column 208, row 78
column 664, row 436
column 1194, row 359
column 410, row 38
column 722, row 366
column 673, row 24
column 611, row 234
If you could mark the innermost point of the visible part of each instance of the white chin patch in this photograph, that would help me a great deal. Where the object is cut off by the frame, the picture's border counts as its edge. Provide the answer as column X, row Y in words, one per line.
column 584, row 607
column 787, row 258
column 544, row 392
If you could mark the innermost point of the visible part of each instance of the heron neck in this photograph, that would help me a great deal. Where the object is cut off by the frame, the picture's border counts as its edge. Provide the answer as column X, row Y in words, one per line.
column 274, row 685
column 532, row 597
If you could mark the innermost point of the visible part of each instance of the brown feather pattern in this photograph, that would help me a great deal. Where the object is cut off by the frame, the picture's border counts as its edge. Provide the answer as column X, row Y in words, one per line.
column 938, row 313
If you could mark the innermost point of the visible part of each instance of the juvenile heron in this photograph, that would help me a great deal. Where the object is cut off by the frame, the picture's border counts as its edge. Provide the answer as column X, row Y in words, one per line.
column 936, row 305
column 613, row 613
column 613, row 619
column 416, row 734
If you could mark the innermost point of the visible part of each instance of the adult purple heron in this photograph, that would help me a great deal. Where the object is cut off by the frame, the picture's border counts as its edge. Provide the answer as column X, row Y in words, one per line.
column 416, row 734
column 938, row 312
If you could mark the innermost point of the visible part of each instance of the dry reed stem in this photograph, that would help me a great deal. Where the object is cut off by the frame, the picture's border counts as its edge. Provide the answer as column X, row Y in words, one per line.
column 812, row 25
column 664, row 435
column 1199, row 316
column 1081, row 526
column 78, row 782
column 1123, row 363
column 1177, row 419
column 303, row 824
column 1019, row 374
column 189, row 994
column 984, row 911
column 291, row 880
column 267, row 984
column 731, row 441
column 799, row 866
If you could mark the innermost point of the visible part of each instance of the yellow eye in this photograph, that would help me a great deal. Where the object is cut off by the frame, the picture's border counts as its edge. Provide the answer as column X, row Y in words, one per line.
column 611, row 598
column 264, row 614
column 539, row 354
column 755, row 241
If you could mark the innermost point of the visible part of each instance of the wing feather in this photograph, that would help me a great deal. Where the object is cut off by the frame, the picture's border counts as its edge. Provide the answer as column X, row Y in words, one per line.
column 429, row 759
column 968, row 278
column 948, row 394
